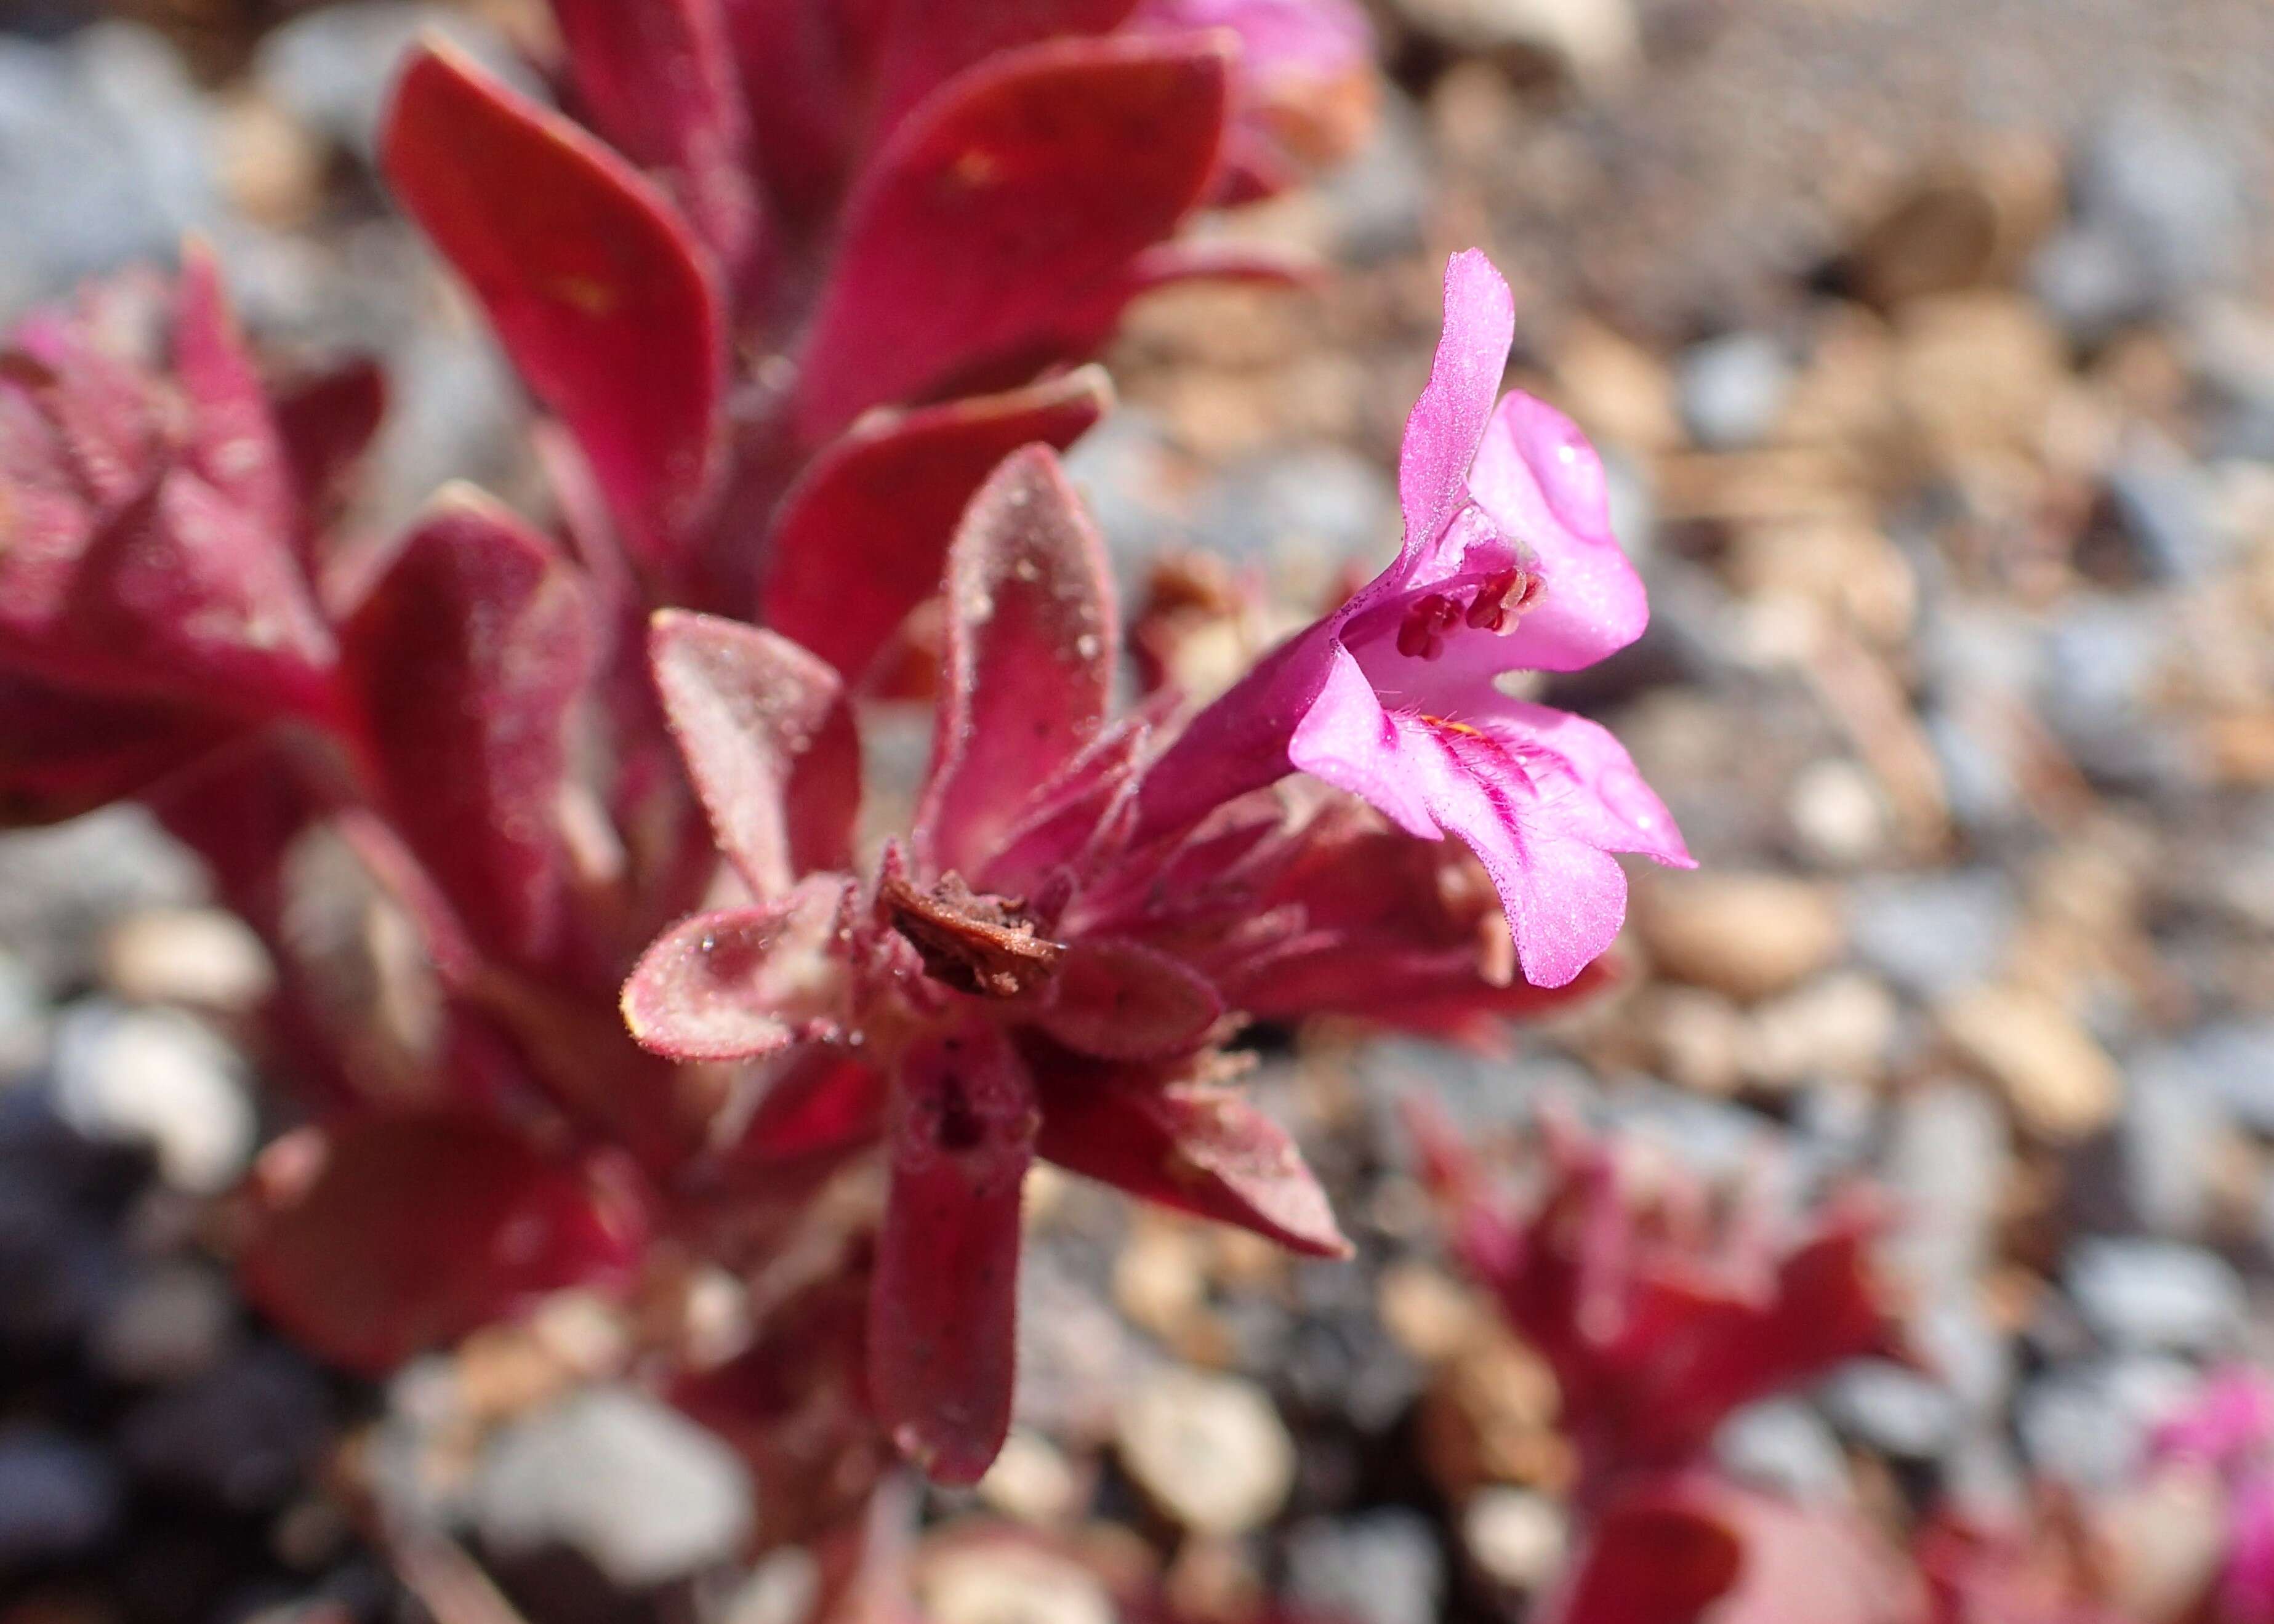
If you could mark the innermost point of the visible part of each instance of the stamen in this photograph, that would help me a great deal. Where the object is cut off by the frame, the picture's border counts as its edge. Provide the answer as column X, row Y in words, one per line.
column 1420, row 635
column 1501, row 598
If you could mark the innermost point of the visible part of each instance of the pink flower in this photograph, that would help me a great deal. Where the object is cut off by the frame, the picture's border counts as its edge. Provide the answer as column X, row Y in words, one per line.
column 2228, row 1426
column 1508, row 565
column 1027, row 976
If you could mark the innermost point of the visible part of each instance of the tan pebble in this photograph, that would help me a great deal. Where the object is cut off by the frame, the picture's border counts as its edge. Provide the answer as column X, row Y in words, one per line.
column 1033, row 1482
column 1210, row 1451
column 1744, row 934
column 200, row 957
column 1839, row 1026
column 2060, row 1083
column 1432, row 1315
column 1516, row 1537
column 999, row 1581
column 1700, row 1038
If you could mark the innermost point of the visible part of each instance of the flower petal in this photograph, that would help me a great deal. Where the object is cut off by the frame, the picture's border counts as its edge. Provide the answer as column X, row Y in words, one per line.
column 1239, row 742
column 860, row 539
column 1197, row 1149
column 1039, row 174
column 742, row 981
column 1448, row 423
column 769, row 741
column 1587, row 784
column 1564, row 899
column 943, row 1308
column 1346, row 738
column 1542, row 484
column 596, row 289
column 1032, row 640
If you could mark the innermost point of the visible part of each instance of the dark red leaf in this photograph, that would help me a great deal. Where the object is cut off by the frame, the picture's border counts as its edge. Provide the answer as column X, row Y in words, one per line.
column 417, row 1230
column 1032, row 640
column 657, row 78
column 605, row 303
column 943, row 1311
column 1082, row 326
column 769, row 741
column 1034, row 177
column 1653, row 1560
column 804, row 65
column 1197, row 1148
column 185, row 592
column 1676, row 1550
column 326, row 423
column 742, row 981
column 62, row 753
column 1119, row 1001
column 859, row 539
column 794, row 1406
column 233, row 440
column 822, row 1100
column 470, row 653
column 927, row 42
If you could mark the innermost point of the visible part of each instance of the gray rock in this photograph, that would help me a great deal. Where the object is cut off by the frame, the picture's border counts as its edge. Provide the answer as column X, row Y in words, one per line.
column 638, row 1489
column 1375, row 204
column 1978, row 780
column 24, row 1019
column 170, row 1321
column 59, row 1499
column 2169, row 192
column 1381, row 1567
column 63, row 888
column 1732, row 389
column 160, row 1079
column 2104, row 656
column 1633, row 505
column 1946, row 1160
column 2154, row 1295
column 1125, row 469
column 1895, row 1410
column 1966, row 1354
column 1714, row 1138
column 1932, row 934
column 58, row 1266
column 245, row 1434
column 2091, row 281
column 1301, row 514
column 2235, row 1061
column 1784, row 1446
column 332, row 68
column 2171, row 1121
column 2164, row 504
column 456, row 412
column 1480, row 1093
column 103, row 157
column 1342, row 1362
column 2087, row 1424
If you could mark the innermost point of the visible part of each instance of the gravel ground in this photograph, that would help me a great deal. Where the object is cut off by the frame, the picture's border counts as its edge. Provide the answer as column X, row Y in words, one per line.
column 1930, row 344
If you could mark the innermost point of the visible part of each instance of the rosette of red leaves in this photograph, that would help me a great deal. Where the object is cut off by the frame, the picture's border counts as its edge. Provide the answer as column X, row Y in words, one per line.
column 1660, row 1316
column 1024, row 976
column 792, row 298
column 172, row 624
